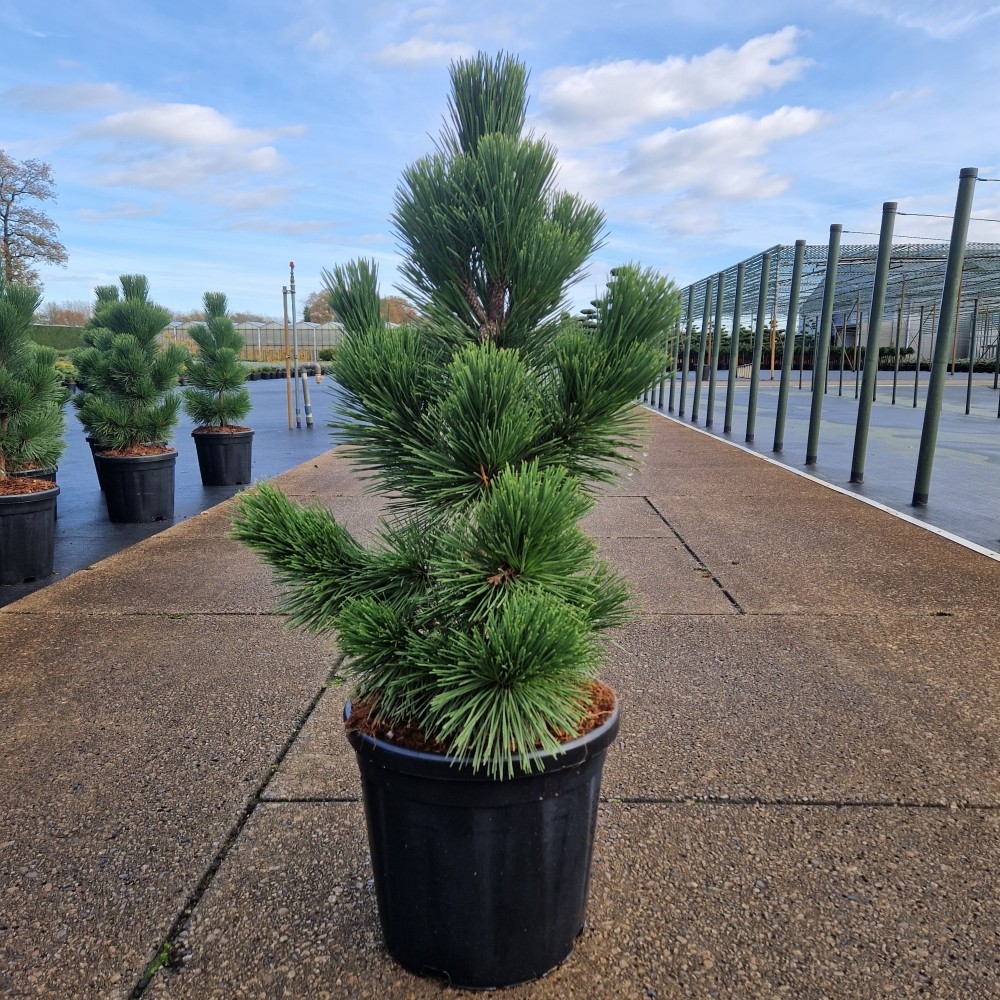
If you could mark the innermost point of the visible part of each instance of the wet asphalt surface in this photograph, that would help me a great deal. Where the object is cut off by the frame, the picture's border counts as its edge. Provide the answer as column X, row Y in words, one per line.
column 84, row 535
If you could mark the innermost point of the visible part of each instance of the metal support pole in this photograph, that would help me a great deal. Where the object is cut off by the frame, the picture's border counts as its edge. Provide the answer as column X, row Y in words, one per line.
column 663, row 373
column 857, row 366
column 720, row 291
column 686, row 359
column 288, row 357
column 996, row 349
column 734, row 347
column 821, row 352
column 295, row 344
column 972, row 354
column 871, row 345
column 702, row 341
column 758, row 346
column 675, row 344
column 920, row 345
column 843, row 351
column 802, row 352
column 791, row 322
column 899, row 328
column 946, row 324
column 306, row 402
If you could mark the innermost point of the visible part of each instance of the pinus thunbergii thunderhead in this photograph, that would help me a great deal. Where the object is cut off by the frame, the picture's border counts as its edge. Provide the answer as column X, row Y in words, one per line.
column 476, row 617
column 217, row 395
column 126, row 374
column 32, row 423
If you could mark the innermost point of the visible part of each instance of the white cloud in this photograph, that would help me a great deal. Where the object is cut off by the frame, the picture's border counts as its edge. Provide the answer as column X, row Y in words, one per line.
column 318, row 41
column 183, row 125
column 609, row 101
column 721, row 158
column 421, row 50
column 66, row 97
column 254, row 200
column 188, row 170
column 292, row 227
column 120, row 210
column 940, row 20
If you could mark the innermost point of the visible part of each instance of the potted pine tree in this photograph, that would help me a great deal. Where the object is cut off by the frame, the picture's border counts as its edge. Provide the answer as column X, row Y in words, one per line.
column 472, row 628
column 32, row 425
column 127, row 404
column 216, row 398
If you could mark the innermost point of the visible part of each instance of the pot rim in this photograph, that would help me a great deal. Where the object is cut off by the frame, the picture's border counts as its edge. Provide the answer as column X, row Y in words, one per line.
column 12, row 498
column 570, row 754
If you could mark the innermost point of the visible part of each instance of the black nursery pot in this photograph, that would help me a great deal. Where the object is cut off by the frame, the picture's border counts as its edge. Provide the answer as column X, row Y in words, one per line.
column 95, row 450
column 27, row 536
column 480, row 880
column 137, row 488
column 224, row 459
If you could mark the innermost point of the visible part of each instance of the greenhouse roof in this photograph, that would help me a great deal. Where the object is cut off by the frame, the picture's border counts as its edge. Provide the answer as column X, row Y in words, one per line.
column 916, row 278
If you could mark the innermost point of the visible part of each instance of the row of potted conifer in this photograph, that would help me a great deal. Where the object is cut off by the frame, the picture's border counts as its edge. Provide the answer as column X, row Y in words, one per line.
column 128, row 404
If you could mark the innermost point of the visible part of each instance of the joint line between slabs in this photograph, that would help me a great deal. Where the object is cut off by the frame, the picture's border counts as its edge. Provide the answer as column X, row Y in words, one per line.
column 743, row 802
column 164, row 951
column 697, row 558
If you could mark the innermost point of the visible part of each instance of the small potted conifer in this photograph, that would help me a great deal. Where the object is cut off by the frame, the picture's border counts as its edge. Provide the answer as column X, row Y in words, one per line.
column 127, row 404
column 471, row 629
column 216, row 397
column 32, row 426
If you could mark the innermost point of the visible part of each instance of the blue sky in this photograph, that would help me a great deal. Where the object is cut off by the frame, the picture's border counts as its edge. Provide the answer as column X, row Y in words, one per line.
column 207, row 144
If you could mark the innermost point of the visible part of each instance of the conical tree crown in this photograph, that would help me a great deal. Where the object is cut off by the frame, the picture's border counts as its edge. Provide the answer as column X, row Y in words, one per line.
column 32, row 423
column 127, row 376
column 491, row 243
column 217, row 395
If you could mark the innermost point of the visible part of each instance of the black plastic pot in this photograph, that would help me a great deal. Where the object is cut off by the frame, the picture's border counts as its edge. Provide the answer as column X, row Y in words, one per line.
column 27, row 536
column 95, row 450
column 137, row 488
column 224, row 459
column 481, row 880
column 47, row 474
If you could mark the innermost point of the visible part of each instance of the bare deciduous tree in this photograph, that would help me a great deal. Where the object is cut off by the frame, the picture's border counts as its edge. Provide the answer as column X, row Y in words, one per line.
column 26, row 234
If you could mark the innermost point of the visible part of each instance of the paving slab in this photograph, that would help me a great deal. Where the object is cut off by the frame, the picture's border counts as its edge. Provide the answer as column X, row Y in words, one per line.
column 664, row 577
column 685, row 901
column 824, row 552
column 320, row 765
column 790, row 708
column 131, row 746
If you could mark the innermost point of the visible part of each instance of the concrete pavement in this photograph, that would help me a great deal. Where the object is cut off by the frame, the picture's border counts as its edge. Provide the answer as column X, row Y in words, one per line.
column 804, row 799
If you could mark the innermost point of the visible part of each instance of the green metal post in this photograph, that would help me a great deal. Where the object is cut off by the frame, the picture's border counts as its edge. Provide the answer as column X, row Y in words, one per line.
column 972, row 354
column 675, row 344
column 702, row 341
column 916, row 370
column 946, row 324
column 899, row 328
column 871, row 344
column 663, row 373
column 758, row 344
column 821, row 350
column 857, row 353
column 720, row 291
column 996, row 352
column 734, row 347
column 802, row 352
column 791, row 322
column 687, row 351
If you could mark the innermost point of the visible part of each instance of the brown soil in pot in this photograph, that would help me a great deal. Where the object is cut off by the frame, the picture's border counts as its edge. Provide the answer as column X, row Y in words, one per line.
column 12, row 486
column 137, row 450
column 598, row 710
column 226, row 429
